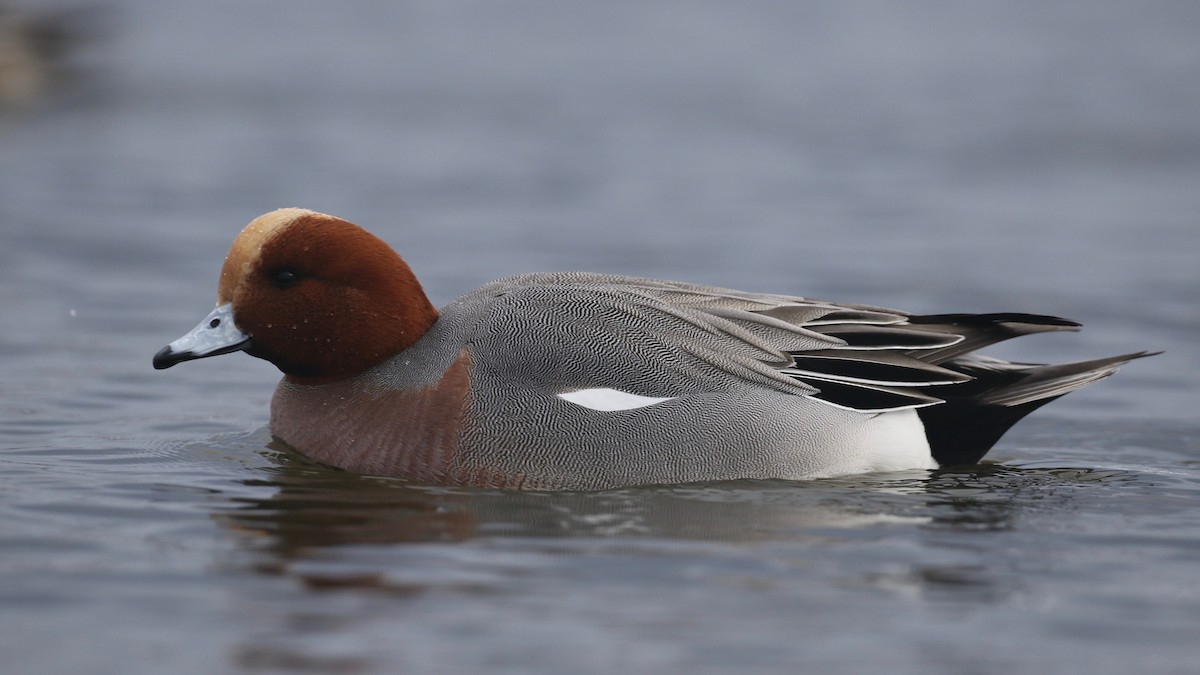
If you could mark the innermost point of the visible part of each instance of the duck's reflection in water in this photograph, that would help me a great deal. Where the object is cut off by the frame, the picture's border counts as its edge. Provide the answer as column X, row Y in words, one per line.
column 318, row 508
column 358, row 545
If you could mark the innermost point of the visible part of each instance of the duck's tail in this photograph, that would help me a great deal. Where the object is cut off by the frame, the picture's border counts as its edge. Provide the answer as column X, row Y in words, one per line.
column 977, row 413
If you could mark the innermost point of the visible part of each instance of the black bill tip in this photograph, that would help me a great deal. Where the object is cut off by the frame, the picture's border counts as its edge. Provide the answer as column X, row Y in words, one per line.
column 165, row 358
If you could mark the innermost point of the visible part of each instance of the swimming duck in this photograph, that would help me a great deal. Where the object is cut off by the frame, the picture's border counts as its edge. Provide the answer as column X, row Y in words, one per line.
column 579, row 381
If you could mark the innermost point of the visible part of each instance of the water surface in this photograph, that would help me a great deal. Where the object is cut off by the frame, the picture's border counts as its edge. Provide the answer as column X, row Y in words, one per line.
column 929, row 156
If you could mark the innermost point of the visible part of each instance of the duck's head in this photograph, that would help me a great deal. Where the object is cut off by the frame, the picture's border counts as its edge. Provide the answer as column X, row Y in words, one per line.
column 317, row 296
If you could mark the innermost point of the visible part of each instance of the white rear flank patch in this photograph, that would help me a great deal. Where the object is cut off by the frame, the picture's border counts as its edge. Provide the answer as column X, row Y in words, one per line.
column 896, row 441
column 609, row 400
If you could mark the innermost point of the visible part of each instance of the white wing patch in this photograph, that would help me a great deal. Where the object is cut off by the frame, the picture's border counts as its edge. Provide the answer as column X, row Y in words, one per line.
column 609, row 400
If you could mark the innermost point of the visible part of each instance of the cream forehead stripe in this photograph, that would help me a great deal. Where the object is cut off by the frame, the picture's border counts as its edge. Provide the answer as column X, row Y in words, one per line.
column 249, row 242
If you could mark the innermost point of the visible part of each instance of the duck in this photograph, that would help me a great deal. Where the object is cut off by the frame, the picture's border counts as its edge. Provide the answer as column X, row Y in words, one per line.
column 589, row 381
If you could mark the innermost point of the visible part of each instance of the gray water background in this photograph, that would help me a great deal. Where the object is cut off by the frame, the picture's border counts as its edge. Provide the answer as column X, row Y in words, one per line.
column 933, row 156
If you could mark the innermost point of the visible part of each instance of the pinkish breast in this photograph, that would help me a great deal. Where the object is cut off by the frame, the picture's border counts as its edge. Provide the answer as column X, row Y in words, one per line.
column 405, row 433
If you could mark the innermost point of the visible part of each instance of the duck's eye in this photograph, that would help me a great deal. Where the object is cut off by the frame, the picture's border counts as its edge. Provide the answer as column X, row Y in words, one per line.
column 284, row 277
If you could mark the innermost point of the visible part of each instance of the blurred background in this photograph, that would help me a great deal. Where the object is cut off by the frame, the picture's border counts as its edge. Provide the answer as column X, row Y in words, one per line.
column 1028, row 156
column 931, row 155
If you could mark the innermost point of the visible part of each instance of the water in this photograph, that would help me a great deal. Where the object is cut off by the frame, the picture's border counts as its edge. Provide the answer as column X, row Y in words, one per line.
column 932, row 156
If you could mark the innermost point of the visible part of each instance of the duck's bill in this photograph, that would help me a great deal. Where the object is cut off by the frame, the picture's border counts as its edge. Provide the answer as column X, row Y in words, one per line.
column 216, row 334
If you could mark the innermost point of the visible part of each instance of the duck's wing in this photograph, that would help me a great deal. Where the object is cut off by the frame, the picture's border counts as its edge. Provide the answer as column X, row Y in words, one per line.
column 654, row 338
column 581, row 331
column 859, row 357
